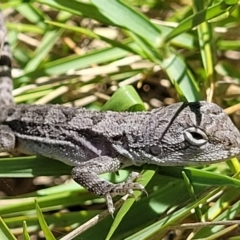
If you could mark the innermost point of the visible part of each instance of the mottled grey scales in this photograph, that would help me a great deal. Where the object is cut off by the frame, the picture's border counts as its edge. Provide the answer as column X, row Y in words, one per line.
column 6, row 97
column 97, row 142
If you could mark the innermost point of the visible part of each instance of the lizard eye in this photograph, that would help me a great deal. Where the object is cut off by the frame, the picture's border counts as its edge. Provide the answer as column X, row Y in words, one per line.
column 195, row 136
column 155, row 150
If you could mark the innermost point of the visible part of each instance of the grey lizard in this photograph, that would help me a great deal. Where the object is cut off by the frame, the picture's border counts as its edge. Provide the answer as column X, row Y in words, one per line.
column 97, row 142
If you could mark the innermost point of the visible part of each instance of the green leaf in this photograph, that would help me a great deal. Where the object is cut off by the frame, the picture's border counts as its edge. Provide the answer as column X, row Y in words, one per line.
column 146, row 176
column 74, row 62
column 47, row 233
column 125, row 98
column 192, row 194
column 5, row 233
column 196, row 19
column 77, row 8
column 159, row 228
column 46, row 45
column 124, row 46
column 181, row 76
column 122, row 15
column 25, row 232
column 225, row 208
column 31, row 166
column 206, row 46
column 202, row 176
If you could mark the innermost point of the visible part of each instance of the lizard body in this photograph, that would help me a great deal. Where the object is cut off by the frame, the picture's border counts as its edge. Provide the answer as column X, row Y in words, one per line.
column 97, row 142
column 179, row 134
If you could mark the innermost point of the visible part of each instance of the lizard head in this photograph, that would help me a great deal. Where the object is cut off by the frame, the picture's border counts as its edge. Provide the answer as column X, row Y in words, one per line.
column 193, row 134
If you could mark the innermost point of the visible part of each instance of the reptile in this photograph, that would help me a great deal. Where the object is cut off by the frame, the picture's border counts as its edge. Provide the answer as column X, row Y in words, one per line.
column 94, row 142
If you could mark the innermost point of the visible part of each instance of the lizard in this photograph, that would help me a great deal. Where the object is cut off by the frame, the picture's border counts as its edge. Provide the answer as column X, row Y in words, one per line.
column 94, row 142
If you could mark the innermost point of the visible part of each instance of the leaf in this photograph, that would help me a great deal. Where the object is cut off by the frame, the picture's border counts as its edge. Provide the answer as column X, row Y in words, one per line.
column 180, row 76
column 5, row 233
column 125, row 98
column 47, row 233
column 202, row 176
column 122, row 15
column 25, row 233
column 196, row 19
column 146, row 176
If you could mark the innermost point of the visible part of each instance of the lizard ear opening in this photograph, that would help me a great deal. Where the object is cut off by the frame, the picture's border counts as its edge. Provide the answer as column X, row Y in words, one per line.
column 195, row 136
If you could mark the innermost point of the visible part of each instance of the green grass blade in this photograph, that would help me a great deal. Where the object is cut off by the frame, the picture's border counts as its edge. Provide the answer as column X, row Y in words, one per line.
column 47, row 233
column 91, row 34
column 122, row 15
column 160, row 228
column 179, row 74
column 198, row 18
column 5, row 233
column 77, row 8
column 46, row 45
column 206, row 47
column 202, row 176
column 228, row 211
column 25, row 232
column 62, row 65
column 146, row 176
column 31, row 166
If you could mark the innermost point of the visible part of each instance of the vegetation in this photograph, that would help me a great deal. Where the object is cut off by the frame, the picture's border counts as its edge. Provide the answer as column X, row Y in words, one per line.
column 122, row 55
